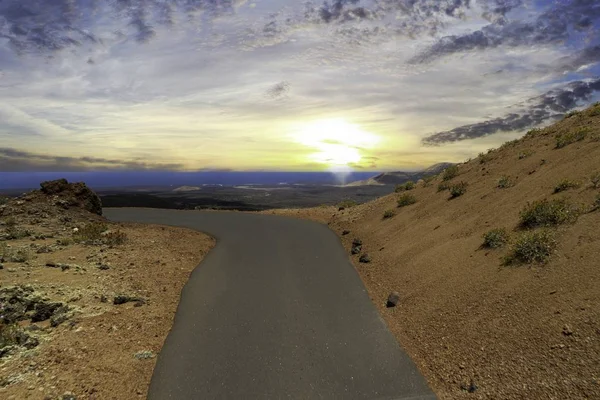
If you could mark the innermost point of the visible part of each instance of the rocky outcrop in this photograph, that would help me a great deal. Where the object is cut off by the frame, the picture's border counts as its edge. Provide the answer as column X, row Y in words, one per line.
column 73, row 195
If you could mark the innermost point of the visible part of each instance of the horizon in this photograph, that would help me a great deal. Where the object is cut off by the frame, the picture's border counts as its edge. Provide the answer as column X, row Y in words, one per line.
column 341, row 87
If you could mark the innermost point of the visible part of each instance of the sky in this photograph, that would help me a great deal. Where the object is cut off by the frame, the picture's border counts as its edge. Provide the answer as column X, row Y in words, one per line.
column 284, row 85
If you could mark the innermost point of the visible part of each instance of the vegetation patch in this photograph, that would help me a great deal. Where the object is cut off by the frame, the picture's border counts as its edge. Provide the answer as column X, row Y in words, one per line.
column 406, row 200
column 505, row 182
column 571, row 114
column 450, row 172
column 565, row 184
column 97, row 233
column 443, row 186
column 410, row 185
column 484, row 158
column 533, row 132
column 388, row 214
column 3, row 200
column 495, row 238
column 567, row 138
column 346, row 204
column 548, row 213
column 532, row 247
column 525, row 154
column 428, row 179
column 458, row 190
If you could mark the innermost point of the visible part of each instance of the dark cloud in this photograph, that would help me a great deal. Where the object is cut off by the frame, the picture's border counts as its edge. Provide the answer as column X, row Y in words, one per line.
column 278, row 90
column 555, row 25
column 549, row 106
column 587, row 56
column 52, row 25
column 13, row 160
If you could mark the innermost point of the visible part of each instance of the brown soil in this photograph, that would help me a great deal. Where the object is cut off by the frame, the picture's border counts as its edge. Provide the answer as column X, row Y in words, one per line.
column 93, row 354
column 518, row 332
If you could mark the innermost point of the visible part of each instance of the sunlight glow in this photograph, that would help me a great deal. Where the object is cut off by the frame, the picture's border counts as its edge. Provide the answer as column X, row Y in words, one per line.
column 336, row 141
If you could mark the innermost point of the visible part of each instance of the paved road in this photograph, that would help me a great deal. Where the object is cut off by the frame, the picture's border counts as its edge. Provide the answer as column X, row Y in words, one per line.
column 275, row 311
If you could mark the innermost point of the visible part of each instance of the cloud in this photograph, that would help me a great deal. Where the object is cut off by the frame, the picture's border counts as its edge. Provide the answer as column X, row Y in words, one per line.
column 278, row 90
column 552, row 26
column 42, row 25
column 13, row 160
column 549, row 106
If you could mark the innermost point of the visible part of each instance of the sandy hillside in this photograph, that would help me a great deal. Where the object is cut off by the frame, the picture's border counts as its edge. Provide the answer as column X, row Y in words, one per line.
column 62, row 269
column 479, row 328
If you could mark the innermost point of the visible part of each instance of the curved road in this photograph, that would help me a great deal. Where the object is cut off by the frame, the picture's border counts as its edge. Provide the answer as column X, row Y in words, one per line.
column 275, row 311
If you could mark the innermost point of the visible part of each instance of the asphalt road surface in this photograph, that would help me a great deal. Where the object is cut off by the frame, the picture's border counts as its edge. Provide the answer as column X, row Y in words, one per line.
column 275, row 311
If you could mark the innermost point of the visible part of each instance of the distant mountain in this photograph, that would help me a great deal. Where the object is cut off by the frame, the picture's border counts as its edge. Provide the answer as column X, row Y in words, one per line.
column 399, row 177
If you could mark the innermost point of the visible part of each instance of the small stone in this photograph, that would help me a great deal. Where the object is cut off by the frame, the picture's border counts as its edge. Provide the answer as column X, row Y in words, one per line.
column 365, row 259
column 144, row 355
column 103, row 267
column 1, row 266
column 357, row 242
column 393, row 299
column 51, row 264
column 356, row 249
column 345, row 232
column 567, row 331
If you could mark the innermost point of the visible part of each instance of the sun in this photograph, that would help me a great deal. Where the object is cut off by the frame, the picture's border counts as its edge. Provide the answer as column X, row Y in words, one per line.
column 336, row 141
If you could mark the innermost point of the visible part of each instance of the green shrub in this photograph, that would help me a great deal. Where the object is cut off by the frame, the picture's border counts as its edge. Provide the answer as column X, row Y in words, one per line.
column 410, row 185
column 388, row 214
column 595, row 179
column 458, row 190
column 3, row 200
column 450, row 173
column 443, row 186
column 571, row 114
column 12, row 233
column 505, row 182
column 510, row 143
column 346, row 204
column 567, row 138
column 428, row 179
column 90, row 232
column 495, row 238
column 406, row 200
column 10, row 222
column 595, row 112
column 532, row 247
column 9, row 334
column 20, row 256
column 565, row 184
column 548, row 213
column 533, row 132
column 115, row 238
column 64, row 242
column 525, row 154
column 483, row 158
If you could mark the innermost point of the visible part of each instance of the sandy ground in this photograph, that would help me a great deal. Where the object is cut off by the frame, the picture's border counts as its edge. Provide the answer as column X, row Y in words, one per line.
column 518, row 332
column 105, row 351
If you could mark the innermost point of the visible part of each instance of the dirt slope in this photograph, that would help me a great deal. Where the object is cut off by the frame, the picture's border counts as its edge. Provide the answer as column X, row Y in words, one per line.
column 89, row 347
column 479, row 329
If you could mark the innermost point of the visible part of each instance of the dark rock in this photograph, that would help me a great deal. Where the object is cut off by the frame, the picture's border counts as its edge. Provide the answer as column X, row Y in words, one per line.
column 60, row 315
column 73, row 195
column 1, row 266
column 51, row 264
column 356, row 242
column 103, row 267
column 364, row 258
column 56, row 186
column 103, row 299
column 122, row 299
column 345, row 232
column 471, row 387
column 44, row 311
column 64, row 267
column 341, row 208
column 393, row 299
column 356, row 249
